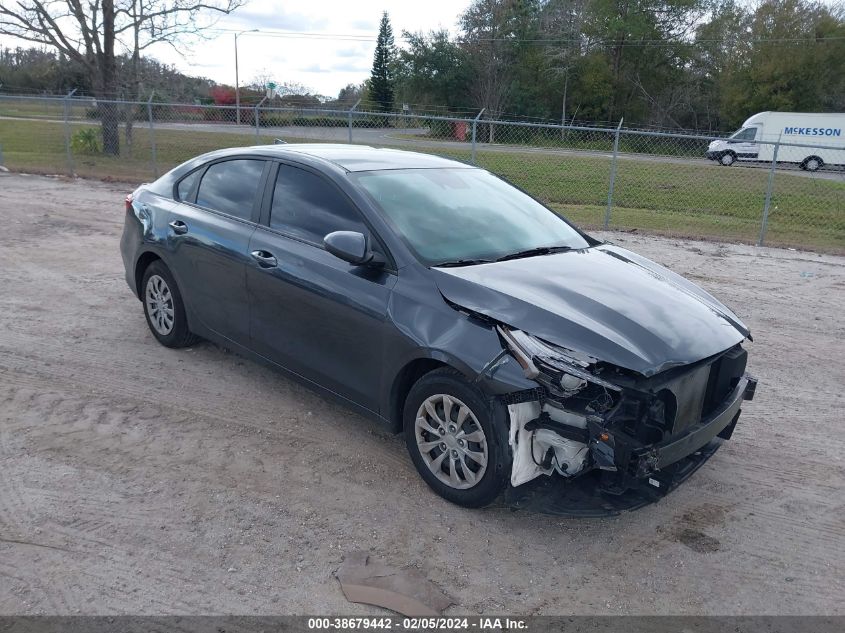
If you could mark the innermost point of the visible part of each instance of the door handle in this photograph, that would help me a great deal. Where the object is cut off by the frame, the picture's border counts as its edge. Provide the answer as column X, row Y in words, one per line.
column 264, row 259
column 179, row 227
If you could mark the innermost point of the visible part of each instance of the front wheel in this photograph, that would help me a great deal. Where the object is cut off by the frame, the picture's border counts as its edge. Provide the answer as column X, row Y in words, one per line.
column 727, row 159
column 457, row 438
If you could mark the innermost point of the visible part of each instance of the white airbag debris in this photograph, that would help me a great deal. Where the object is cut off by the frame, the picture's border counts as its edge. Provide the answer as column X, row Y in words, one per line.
column 569, row 456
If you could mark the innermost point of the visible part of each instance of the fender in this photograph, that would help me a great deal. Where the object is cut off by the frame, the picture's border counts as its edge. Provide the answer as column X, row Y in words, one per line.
column 152, row 248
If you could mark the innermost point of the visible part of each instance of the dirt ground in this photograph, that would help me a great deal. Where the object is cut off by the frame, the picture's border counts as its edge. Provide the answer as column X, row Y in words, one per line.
column 140, row 480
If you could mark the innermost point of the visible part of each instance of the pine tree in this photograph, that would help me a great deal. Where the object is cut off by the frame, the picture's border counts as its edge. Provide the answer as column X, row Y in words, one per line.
column 381, row 79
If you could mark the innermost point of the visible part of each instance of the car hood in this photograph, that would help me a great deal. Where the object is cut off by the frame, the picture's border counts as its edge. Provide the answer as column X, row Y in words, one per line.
column 605, row 301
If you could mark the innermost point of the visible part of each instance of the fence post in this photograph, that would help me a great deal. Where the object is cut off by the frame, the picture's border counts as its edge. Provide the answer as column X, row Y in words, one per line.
column 351, row 110
column 768, row 202
column 152, row 134
column 612, row 174
column 474, row 129
column 257, row 114
column 66, row 109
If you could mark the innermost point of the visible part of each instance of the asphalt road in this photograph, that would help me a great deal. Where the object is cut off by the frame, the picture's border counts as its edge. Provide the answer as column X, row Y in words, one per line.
column 413, row 138
column 135, row 479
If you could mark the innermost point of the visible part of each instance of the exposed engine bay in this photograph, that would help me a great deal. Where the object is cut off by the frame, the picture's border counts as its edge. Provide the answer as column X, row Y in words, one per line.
column 588, row 416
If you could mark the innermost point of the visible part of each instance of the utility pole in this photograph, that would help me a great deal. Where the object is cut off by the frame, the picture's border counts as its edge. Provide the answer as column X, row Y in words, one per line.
column 237, row 80
column 568, row 59
column 563, row 108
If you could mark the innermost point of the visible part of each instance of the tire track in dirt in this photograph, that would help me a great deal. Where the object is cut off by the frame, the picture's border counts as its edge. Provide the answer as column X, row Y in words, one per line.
column 106, row 438
column 86, row 534
column 255, row 412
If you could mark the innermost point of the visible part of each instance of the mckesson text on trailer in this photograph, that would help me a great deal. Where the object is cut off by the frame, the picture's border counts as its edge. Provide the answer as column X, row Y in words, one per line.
column 813, row 131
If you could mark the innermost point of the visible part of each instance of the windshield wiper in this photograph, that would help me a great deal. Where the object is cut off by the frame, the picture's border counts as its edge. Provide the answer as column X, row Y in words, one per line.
column 531, row 252
column 462, row 262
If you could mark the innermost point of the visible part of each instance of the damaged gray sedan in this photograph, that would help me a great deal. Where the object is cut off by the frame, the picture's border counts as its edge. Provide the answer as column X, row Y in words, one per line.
column 517, row 354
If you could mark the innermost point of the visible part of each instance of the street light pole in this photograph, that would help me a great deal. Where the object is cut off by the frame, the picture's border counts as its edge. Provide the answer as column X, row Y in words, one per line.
column 237, row 81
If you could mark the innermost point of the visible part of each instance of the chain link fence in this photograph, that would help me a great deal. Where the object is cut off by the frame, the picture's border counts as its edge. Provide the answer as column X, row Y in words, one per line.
column 615, row 178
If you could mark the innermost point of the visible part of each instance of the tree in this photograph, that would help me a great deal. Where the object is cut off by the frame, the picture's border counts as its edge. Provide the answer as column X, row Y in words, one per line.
column 349, row 95
column 38, row 70
column 647, row 45
column 89, row 32
column 433, row 71
column 492, row 34
column 721, row 48
column 381, row 85
column 287, row 93
column 563, row 18
column 791, row 60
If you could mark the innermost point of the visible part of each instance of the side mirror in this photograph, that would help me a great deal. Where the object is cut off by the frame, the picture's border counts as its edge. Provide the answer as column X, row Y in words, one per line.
column 352, row 247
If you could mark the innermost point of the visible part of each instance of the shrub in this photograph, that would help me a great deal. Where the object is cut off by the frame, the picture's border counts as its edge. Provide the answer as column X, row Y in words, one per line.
column 86, row 141
column 222, row 95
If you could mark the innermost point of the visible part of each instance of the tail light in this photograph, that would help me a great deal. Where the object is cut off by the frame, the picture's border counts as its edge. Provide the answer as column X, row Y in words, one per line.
column 129, row 199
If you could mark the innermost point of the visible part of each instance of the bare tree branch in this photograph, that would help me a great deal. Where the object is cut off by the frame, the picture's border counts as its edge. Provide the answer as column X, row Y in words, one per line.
column 89, row 31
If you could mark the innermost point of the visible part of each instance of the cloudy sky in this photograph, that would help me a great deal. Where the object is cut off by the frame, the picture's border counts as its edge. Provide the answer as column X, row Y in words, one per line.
column 320, row 61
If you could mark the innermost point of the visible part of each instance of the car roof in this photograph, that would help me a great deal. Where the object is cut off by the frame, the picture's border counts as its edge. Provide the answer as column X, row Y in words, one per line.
column 355, row 158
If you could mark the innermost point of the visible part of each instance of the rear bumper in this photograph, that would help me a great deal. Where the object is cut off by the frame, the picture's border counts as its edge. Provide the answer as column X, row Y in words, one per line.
column 130, row 242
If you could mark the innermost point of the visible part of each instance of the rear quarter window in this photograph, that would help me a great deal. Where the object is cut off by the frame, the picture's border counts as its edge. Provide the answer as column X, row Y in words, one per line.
column 186, row 185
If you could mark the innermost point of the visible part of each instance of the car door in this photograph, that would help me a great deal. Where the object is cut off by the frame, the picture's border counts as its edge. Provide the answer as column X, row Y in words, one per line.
column 211, row 234
column 310, row 311
column 744, row 145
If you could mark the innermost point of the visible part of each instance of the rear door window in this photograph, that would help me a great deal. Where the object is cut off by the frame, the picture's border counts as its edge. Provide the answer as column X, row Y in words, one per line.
column 309, row 207
column 231, row 187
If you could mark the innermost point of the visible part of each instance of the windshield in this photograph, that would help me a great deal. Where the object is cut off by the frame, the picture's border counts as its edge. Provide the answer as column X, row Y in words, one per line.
column 464, row 215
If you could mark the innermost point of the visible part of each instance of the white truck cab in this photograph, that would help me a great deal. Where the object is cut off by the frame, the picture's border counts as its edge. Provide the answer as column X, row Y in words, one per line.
column 822, row 137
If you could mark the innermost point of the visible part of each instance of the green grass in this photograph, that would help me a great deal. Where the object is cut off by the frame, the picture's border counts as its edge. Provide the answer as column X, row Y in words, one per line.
column 678, row 199
column 704, row 200
column 596, row 141
column 39, row 147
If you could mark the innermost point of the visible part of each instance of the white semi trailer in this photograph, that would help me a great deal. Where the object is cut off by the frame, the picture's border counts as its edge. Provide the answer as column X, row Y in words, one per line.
column 822, row 136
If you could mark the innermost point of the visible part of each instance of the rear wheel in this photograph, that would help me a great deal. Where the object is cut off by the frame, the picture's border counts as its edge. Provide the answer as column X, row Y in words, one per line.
column 164, row 308
column 813, row 163
column 457, row 439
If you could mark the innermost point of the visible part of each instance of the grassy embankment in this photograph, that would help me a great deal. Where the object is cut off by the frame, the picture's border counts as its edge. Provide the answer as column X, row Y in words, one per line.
column 651, row 196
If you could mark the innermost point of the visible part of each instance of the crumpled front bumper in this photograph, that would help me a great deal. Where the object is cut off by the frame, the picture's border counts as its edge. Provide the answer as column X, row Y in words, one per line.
column 657, row 469
column 720, row 422
column 585, row 497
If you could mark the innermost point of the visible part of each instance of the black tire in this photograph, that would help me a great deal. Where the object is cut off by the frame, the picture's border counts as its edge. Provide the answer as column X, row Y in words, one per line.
column 178, row 335
column 812, row 163
column 727, row 159
column 490, row 415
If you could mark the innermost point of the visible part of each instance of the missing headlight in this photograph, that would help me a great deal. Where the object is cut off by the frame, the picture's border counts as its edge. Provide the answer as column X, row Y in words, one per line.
column 569, row 371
